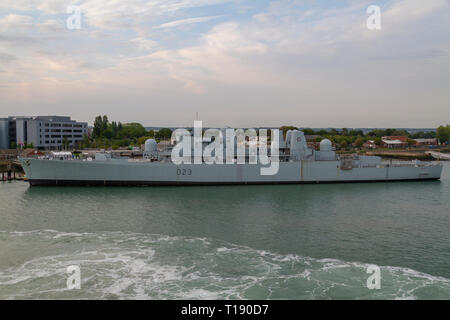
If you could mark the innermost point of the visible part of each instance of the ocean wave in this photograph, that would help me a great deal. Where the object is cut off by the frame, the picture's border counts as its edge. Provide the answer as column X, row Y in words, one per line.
column 122, row 265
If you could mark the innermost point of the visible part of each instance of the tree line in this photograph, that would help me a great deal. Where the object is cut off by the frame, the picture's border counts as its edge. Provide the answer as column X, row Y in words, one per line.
column 111, row 134
column 443, row 133
column 114, row 135
column 350, row 137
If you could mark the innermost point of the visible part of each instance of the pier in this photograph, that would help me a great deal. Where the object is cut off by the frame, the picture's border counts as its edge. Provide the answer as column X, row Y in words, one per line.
column 10, row 168
column 404, row 154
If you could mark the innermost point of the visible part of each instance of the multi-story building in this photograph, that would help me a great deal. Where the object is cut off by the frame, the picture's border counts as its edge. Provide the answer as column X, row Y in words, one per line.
column 44, row 132
column 4, row 133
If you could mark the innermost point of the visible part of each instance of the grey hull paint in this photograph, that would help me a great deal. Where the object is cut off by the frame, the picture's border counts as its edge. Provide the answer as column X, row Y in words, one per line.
column 75, row 172
column 166, row 183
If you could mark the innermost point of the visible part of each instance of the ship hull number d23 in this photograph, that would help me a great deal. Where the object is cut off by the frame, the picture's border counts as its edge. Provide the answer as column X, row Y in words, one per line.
column 184, row 172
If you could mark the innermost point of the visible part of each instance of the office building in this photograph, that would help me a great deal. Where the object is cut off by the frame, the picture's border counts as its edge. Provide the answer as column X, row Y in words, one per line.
column 43, row 132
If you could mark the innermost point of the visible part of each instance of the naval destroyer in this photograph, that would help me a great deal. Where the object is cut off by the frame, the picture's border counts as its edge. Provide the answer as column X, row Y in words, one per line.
column 297, row 163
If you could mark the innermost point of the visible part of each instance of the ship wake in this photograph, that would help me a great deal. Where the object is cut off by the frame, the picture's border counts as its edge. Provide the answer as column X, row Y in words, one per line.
column 121, row 265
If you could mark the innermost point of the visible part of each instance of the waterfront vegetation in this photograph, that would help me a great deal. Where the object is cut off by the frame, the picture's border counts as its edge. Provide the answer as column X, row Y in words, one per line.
column 443, row 133
column 115, row 135
column 25, row 145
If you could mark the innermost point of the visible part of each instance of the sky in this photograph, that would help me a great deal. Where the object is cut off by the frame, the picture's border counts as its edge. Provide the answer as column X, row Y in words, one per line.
column 240, row 63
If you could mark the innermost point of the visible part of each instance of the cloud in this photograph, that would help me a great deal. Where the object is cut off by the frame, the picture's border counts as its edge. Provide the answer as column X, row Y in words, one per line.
column 223, row 56
column 44, row 6
column 16, row 21
column 145, row 44
column 182, row 22
column 24, row 5
column 411, row 10
column 108, row 14
column 5, row 57
column 51, row 26
column 302, row 60
column 54, row 6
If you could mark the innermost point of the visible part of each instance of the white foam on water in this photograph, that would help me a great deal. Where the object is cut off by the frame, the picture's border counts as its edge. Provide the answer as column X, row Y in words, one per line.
column 121, row 265
column 201, row 294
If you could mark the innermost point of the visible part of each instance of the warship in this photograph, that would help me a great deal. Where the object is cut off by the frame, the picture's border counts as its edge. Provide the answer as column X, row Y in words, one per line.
column 296, row 164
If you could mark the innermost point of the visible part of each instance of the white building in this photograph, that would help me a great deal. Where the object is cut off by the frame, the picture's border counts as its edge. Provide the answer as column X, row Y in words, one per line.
column 46, row 132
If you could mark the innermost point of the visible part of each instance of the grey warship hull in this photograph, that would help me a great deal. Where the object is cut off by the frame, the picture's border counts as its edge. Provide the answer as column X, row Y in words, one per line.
column 145, row 173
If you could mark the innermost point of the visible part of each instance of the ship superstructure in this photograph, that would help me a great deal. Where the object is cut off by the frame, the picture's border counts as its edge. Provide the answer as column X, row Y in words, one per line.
column 296, row 163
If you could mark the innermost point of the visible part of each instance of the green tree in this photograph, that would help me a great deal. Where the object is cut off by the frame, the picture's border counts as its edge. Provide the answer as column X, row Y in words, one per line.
column 443, row 133
column 356, row 133
column 141, row 140
column 132, row 130
column 27, row 145
column 343, row 144
column 97, row 126
column 164, row 134
column 308, row 132
column 423, row 135
column 334, row 132
column 114, row 129
column 105, row 122
column 359, row 142
column 100, row 126
column 86, row 143
column 378, row 141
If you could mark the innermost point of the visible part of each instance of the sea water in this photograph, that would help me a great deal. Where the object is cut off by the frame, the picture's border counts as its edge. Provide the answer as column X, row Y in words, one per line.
column 226, row 242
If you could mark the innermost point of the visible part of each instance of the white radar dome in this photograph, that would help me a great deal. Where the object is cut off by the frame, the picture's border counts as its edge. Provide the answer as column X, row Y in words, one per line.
column 326, row 145
column 150, row 145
